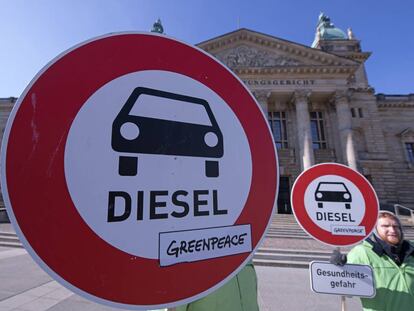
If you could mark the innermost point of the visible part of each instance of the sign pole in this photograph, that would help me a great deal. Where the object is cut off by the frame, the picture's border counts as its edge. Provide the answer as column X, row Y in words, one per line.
column 343, row 305
column 343, row 298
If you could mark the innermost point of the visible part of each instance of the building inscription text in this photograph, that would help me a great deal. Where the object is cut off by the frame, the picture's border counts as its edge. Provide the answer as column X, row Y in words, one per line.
column 280, row 82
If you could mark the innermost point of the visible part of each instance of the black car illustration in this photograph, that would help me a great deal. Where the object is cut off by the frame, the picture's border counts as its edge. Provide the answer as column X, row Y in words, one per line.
column 333, row 192
column 161, row 132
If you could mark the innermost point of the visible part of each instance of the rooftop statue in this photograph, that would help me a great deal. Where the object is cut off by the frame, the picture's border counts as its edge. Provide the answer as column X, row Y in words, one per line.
column 326, row 30
column 325, row 21
column 157, row 27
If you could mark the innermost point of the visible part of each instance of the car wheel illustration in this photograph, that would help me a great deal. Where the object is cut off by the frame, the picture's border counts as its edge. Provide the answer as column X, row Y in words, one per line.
column 320, row 204
column 128, row 166
column 212, row 169
column 347, row 206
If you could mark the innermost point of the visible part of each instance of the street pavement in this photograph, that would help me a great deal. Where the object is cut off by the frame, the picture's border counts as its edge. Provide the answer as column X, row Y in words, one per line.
column 25, row 287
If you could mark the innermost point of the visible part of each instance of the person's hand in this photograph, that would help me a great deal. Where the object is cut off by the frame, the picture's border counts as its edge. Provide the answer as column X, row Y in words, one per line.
column 337, row 258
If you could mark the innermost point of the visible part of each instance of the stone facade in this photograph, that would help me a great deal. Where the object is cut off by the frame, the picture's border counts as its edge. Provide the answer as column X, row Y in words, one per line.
column 321, row 108
column 6, row 105
column 368, row 132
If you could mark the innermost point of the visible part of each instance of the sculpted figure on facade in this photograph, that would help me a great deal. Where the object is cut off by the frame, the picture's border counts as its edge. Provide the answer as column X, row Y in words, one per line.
column 351, row 35
column 244, row 56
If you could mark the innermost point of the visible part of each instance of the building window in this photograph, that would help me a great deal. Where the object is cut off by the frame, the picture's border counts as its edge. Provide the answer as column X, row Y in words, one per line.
column 361, row 115
column 410, row 152
column 277, row 122
column 353, row 112
column 318, row 130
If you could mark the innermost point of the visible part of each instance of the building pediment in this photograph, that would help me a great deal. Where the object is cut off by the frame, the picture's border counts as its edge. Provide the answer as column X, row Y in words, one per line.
column 245, row 49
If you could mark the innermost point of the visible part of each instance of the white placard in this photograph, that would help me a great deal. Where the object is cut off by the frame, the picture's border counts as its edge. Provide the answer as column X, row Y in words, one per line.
column 348, row 280
column 195, row 245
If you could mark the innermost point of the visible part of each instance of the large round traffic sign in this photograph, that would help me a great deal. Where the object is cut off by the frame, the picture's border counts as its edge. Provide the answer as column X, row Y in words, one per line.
column 335, row 204
column 139, row 171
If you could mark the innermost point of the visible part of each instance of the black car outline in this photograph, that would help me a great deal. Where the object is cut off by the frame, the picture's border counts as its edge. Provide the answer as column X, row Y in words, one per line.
column 333, row 196
column 165, row 137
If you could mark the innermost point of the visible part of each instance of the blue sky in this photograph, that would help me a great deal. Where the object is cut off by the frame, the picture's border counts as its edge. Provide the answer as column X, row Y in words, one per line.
column 33, row 32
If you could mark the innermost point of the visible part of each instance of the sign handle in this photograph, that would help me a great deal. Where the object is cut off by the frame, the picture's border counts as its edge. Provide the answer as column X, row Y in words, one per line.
column 343, row 298
column 343, row 304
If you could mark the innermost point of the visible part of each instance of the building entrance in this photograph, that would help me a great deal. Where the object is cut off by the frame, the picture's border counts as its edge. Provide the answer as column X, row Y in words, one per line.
column 283, row 200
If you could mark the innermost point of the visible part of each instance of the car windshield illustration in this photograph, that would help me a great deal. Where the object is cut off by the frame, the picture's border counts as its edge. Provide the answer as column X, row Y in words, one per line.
column 333, row 192
column 158, row 122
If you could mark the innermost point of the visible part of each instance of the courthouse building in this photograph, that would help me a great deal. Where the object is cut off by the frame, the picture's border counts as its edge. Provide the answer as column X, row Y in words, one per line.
column 321, row 108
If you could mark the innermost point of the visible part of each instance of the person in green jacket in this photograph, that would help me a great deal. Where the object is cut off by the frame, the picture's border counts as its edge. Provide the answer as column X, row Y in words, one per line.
column 238, row 294
column 392, row 260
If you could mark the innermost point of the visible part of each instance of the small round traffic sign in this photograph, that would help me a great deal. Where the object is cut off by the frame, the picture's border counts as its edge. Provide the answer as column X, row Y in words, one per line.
column 334, row 204
column 139, row 171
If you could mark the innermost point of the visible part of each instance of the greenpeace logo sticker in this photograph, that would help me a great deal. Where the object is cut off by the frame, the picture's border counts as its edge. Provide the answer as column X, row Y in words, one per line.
column 160, row 152
column 195, row 245
column 348, row 230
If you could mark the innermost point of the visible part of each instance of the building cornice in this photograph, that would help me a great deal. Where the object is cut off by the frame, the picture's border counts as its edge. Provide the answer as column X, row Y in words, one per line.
column 359, row 56
column 395, row 101
column 8, row 99
column 322, row 70
column 395, row 105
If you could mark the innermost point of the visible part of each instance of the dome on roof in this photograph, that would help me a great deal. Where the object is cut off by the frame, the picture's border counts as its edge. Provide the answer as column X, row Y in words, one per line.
column 327, row 30
column 333, row 34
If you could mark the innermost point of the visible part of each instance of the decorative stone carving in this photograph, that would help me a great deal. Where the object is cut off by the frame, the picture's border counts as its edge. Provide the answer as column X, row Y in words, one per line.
column 342, row 96
column 351, row 35
column 352, row 79
column 261, row 95
column 246, row 56
column 301, row 95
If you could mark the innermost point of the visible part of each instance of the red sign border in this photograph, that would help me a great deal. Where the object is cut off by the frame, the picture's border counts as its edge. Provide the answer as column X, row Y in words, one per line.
column 35, row 138
column 298, row 205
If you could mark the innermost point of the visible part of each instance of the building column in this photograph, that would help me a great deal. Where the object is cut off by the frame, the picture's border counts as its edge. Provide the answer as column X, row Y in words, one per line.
column 262, row 97
column 306, row 156
column 346, row 138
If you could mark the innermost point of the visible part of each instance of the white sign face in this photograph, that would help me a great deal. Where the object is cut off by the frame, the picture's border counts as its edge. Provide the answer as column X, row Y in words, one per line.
column 347, row 280
column 166, row 190
column 335, row 204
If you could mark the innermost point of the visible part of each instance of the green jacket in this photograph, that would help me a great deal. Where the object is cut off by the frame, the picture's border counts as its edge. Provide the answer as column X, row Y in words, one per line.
column 238, row 294
column 394, row 284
